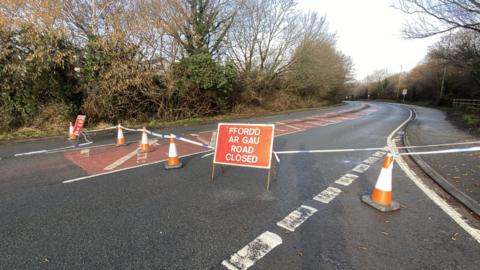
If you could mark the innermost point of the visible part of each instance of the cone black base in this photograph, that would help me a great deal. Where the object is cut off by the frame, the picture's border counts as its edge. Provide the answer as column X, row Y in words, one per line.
column 169, row 167
column 380, row 207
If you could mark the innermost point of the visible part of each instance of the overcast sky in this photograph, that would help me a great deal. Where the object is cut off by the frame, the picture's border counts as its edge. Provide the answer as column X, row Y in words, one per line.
column 369, row 31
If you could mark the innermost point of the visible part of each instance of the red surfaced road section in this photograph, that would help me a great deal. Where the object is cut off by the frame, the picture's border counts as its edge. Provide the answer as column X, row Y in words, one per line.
column 111, row 158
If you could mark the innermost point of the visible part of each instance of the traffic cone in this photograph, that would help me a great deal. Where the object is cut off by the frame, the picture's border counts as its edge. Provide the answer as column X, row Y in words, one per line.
column 120, row 137
column 144, row 146
column 173, row 162
column 381, row 197
column 71, row 136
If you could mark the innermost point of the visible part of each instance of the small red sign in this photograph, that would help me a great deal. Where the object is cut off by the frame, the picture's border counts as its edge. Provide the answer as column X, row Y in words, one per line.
column 248, row 145
column 79, row 125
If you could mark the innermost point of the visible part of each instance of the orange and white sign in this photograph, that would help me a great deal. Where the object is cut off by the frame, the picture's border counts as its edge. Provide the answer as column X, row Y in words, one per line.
column 78, row 125
column 248, row 145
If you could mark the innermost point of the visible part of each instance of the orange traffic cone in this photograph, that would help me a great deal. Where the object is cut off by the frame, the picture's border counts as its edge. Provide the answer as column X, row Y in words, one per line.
column 381, row 197
column 173, row 162
column 144, row 146
column 71, row 136
column 120, row 137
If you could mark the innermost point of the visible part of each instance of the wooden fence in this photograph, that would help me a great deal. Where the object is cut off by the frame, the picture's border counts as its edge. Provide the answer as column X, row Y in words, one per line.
column 466, row 104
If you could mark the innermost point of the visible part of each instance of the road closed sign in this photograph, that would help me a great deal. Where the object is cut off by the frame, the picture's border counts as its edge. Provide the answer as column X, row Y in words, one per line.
column 79, row 125
column 248, row 145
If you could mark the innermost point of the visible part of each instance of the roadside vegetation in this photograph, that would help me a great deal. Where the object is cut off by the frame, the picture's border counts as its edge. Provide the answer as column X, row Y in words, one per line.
column 161, row 60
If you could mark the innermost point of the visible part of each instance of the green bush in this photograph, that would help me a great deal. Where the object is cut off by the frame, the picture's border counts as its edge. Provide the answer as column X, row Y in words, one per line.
column 37, row 67
column 203, row 86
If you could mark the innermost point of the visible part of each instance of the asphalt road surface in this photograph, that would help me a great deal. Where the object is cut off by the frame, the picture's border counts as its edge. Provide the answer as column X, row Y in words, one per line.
column 75, row 210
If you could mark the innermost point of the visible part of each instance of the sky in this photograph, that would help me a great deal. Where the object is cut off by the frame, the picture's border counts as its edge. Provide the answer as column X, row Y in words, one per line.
column 369, row 31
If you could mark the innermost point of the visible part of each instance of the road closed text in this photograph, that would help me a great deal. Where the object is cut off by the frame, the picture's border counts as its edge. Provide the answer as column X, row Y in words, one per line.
column 244, row 145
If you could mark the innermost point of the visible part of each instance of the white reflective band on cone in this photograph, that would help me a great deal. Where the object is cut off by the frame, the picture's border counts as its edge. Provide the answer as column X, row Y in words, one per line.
column 172, row 151
column 384, row 182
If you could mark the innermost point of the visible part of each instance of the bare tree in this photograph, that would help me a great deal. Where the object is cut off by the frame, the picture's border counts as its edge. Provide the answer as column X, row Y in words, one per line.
column 266, row 32
column 433, row 17
column 199, row 26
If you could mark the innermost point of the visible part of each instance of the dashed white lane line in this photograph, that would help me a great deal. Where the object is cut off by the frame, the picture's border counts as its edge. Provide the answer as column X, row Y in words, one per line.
column 361, row 168
column 254, row 251
column 297, row 217
column 327, row 195
column 371, row 160
column 121, row 160
column 346, row 180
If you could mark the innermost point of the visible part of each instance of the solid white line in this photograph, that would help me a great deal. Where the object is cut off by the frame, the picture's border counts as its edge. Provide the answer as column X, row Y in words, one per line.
column 121, row 160
column 447, row 151
column 449, row 210
column 437, row 145
column 296, row 217
column 361, row 168
column 254, row 251
column 327, row 195
column 346, row 180
column 124, row 169
column 327, row 150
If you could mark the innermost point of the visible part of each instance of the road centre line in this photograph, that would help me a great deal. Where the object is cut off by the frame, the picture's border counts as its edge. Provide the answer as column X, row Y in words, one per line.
column 296, row 217
column 346, row 180
column 441, row 203
column 128, row 168
column 327, row 195
column 253, row 251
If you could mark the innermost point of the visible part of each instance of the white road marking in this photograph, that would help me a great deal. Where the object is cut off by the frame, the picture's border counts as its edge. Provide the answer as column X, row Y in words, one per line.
column 346, row 180
column 379, row 154
column 121, row 160
column 327, row 195
column 361, row 168
column 200, row 139
column 449, row 210
column 124, row 169
column 194, row 134
column 254, row 251
column 371, row 160
column 290, row 126
column 296, row 217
